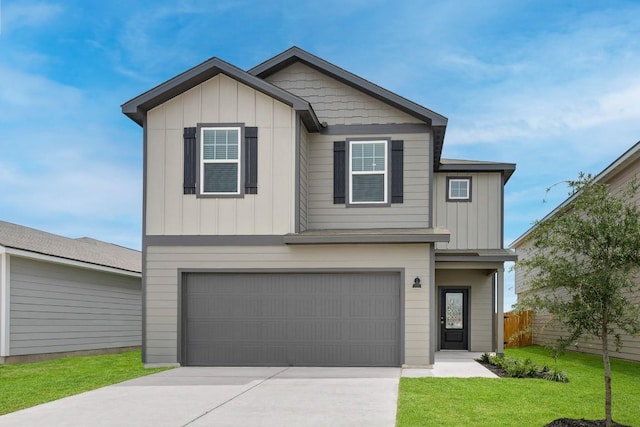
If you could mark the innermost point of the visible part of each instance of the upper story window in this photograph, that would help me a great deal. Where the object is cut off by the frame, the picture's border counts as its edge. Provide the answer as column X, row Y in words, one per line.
column 458, row 189
column 220, row 160
column 368, row 172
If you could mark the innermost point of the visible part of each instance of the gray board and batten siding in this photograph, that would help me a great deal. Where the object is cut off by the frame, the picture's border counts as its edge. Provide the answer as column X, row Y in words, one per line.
column 474, row 224
column 291, row 319
column 60, row 308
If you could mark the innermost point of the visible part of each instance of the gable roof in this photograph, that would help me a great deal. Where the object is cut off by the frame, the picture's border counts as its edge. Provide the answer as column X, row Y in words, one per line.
column 295, row 54
column 137, row 107
column 83, row 249
column 456, row 165
column 628, row 157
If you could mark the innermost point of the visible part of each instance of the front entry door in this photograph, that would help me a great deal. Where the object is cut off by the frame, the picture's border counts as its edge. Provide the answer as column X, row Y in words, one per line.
column 454, row 319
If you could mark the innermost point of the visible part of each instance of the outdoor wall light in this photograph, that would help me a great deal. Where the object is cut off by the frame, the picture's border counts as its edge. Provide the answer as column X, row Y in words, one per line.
column 416, row 283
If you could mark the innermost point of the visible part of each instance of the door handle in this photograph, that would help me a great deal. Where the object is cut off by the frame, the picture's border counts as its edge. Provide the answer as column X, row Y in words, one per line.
column 442, row 320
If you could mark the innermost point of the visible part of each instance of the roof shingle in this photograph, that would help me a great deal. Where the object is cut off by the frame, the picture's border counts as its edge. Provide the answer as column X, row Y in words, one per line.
column 82, row 249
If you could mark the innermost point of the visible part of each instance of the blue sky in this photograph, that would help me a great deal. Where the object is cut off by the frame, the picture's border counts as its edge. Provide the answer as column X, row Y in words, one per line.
column 552, row 86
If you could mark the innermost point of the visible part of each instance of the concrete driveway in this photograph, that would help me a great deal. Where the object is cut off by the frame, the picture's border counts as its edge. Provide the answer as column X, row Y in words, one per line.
column 198, row 397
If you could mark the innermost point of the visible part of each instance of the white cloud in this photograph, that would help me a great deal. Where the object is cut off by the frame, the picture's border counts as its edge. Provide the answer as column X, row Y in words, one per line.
column 64, row 169
column 30, row 93
column 71, row 182
column 17, row 15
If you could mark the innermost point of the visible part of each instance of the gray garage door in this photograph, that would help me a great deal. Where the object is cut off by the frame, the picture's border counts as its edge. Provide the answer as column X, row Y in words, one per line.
column 291, row 320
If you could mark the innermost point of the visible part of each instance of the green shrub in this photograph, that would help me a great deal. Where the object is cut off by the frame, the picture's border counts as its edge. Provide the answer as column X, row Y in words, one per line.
column 526, row 368
column 555, row 375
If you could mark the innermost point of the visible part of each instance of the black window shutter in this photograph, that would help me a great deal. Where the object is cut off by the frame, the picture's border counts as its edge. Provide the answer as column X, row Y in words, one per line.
column 397, row 171
column 339, row 172
column 190, row 160
column 251, row 160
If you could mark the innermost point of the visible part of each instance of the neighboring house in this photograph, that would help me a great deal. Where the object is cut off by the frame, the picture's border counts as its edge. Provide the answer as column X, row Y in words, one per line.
column 617, row 175
column 297, row 214
column 61, row 296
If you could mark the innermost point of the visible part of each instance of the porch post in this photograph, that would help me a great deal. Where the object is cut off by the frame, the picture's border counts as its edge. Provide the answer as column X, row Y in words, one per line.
column 500, row 311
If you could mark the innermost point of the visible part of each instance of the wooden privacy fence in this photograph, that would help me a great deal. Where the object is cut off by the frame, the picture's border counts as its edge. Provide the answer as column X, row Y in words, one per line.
column 517, row 329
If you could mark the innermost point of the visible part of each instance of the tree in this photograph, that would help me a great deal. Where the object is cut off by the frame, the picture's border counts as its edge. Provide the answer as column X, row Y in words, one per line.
column 582, row 267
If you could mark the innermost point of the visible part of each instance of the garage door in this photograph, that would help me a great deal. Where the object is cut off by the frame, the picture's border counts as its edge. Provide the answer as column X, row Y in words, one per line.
column 291, row 320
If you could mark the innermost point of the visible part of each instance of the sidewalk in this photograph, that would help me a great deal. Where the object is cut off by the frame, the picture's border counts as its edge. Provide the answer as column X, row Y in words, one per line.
column 452, row 364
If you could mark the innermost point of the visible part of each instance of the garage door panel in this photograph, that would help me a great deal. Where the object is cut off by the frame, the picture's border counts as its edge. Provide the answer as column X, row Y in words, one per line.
column 291, row 319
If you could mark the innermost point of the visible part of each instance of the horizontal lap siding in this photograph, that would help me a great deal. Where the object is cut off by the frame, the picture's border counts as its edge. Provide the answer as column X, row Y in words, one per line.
column 412, row 213
column 58, row 308
column 546, row 332
column 162, row 264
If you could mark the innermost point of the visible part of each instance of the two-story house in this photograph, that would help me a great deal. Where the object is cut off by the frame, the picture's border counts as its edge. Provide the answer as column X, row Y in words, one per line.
column 297, row 214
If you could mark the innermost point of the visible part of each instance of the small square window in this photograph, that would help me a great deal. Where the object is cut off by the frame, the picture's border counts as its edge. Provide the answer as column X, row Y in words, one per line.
column 458, row 189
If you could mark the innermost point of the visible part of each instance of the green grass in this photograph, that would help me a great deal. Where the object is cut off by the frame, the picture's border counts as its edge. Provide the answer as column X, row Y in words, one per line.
column 29, row 384
column 522, row 402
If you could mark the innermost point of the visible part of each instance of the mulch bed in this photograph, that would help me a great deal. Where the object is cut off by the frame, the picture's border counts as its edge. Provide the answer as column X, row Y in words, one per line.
column 495, row 369
column 568, row 422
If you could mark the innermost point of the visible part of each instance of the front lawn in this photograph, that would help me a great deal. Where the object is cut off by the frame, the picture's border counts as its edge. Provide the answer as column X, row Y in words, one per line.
column 29, row 384
column 522, row 402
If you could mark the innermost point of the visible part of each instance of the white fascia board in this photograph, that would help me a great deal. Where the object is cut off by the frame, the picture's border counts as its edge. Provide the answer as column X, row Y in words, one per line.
column 70, row 262
column 4, row 302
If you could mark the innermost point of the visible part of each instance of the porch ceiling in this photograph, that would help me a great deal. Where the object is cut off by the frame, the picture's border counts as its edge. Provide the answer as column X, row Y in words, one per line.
column 475, row 255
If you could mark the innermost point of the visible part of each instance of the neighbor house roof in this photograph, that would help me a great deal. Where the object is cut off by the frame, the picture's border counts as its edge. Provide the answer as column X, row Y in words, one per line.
column 295, row 54
column 455, row 165
column 83, row 249
column 137, row 108
column 628, row 157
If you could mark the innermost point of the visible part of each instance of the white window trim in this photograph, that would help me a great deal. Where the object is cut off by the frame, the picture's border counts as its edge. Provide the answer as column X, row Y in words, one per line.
column 204, row 161
column 451, row 181
column 384, row 173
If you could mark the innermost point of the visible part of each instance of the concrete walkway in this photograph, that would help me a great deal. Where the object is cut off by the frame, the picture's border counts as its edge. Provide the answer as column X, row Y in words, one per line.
column 198, row 397
column 453, row 364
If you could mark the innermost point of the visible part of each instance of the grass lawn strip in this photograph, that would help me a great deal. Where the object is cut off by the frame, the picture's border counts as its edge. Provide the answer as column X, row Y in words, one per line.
column 522, row 402
column 29, row 384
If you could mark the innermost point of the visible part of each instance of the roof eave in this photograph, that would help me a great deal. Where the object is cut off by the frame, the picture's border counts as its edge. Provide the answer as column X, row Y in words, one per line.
column 137, row 107
column 44, row 256
column 507, row 169
column 294, row 54
column 631, row 154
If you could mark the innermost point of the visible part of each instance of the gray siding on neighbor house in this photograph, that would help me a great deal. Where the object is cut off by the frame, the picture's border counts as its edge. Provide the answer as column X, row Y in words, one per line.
column 334, row 102
column 164, row 262
column 547, row 332
column 3, row 279
column 480, row 298
column 57, row 308
column 473, row 225
column 304, row 176
column 544, row 331
column 412, row 213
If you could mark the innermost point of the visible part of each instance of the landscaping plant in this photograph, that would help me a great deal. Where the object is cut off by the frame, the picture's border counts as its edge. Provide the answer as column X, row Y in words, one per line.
column 582, row 267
